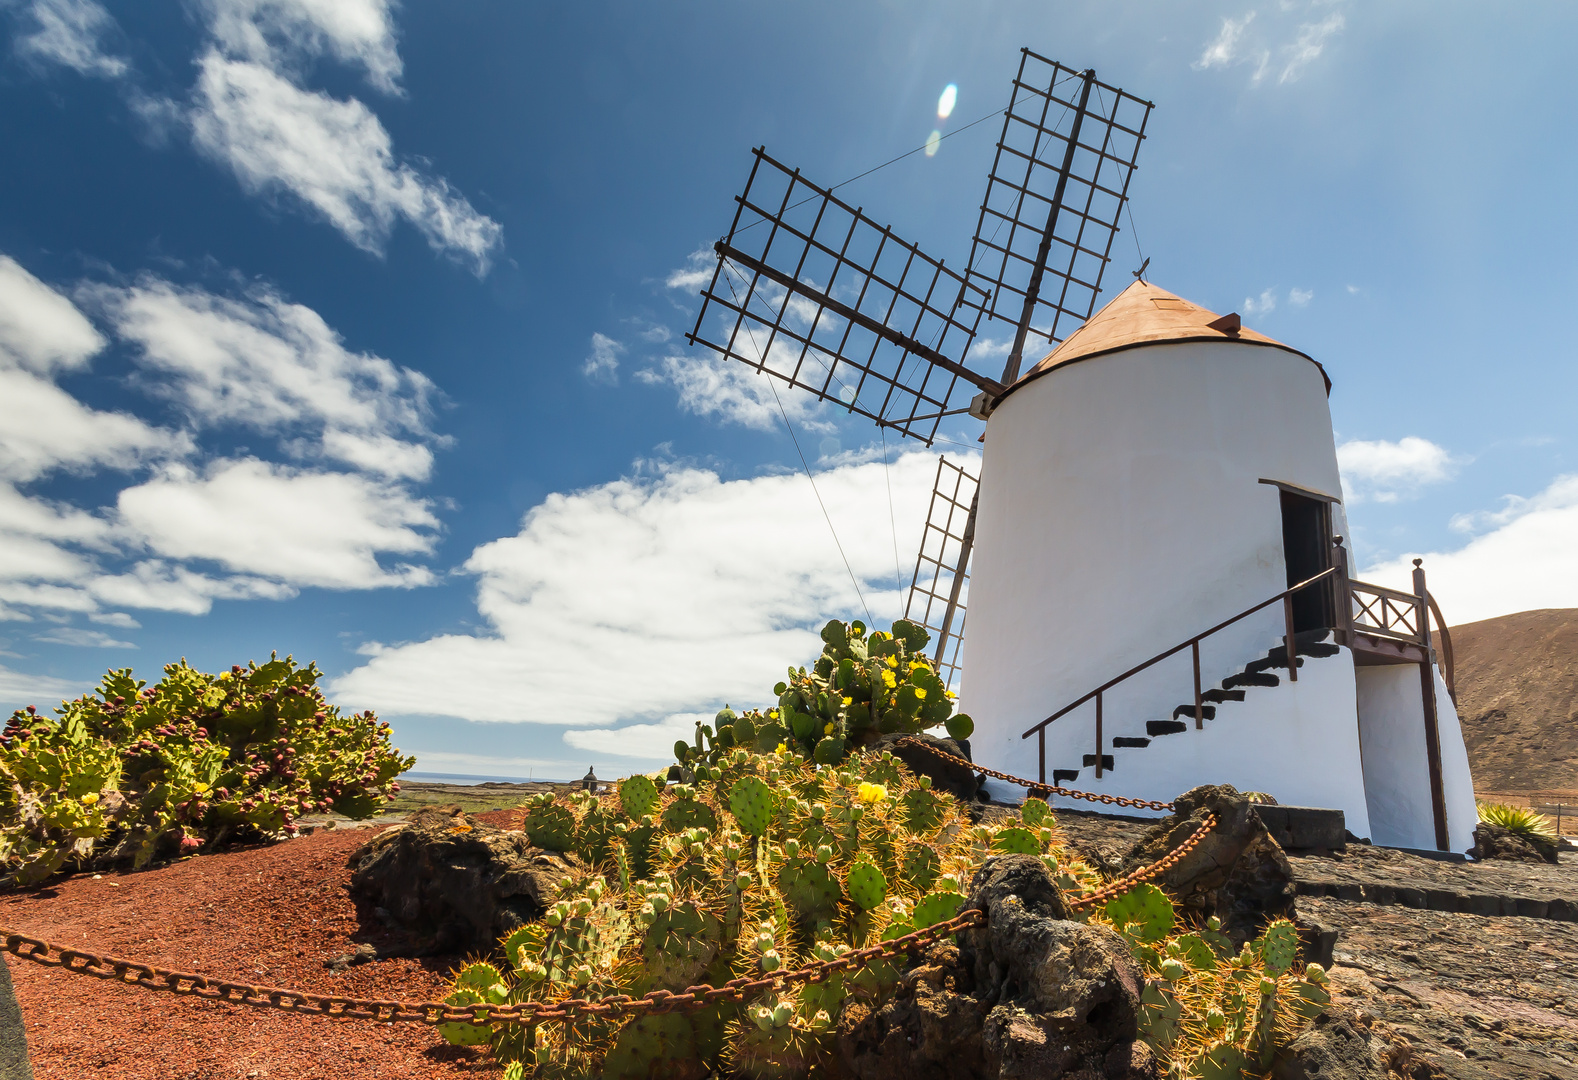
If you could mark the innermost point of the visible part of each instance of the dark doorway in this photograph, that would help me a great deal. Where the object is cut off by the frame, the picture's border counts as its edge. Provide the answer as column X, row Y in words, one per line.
column 1306, row 545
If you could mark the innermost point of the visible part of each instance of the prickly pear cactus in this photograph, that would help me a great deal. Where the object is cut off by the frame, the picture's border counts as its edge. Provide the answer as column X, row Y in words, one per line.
column 866, row 885
column 548, row 824
column 1144, row 914
column 751, row 803
column 639, row 796
column 1279, row 946
column 1016, row 841
column 1034, row 812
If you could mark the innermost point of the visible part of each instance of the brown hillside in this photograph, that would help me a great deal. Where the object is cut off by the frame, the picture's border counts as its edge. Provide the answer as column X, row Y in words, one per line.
column 1517, row 695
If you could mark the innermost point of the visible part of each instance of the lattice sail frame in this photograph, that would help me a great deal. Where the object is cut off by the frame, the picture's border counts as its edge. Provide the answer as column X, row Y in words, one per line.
column 937, row 563
column 811, row 291
column 1022, row 186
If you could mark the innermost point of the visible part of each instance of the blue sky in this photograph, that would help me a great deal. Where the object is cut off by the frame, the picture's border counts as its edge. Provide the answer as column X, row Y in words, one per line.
column 354, row 330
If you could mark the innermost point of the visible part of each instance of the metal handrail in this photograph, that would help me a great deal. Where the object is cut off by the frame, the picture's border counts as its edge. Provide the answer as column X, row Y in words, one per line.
column 1286, row 596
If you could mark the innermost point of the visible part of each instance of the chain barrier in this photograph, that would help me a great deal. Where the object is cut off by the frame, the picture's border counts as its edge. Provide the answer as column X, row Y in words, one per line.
column 132, row 973
column 193, row 984
column 1036, row 785
column 1121, row 885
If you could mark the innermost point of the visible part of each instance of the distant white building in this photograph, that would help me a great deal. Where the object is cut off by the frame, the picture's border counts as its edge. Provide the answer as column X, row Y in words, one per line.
column 1161, row 472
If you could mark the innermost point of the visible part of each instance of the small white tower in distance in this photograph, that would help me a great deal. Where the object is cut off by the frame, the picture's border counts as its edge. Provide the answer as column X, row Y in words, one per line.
column 1161, row 472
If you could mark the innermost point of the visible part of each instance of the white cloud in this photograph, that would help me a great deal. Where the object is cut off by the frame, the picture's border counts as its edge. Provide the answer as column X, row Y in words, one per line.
column 335, row 156
column 17, row 688
column 88, row 639
column 1311, row 42
column 164, row 587
column 1529, row 561
column 697, row 271
column 644, row 598
column 294, row 526
column 646, row 742
column 1300, row 297
column 280, row 33
column 602, row 363
column 733, row 392
column 115, row 618
column 1265, row 305
column 71, row 33
column 1384, row 472
column 271, row 365
column 40, row 330
column 1224, row 49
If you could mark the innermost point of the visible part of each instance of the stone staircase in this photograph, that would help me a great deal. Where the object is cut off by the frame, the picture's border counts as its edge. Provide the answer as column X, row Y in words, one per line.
column 1236, row 687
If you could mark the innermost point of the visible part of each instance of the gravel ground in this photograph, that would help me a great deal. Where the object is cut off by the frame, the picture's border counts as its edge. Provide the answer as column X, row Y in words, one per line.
column 268, row 915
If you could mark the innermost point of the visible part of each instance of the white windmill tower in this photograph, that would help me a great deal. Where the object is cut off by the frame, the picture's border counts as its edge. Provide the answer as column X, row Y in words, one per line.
column 1158, row 521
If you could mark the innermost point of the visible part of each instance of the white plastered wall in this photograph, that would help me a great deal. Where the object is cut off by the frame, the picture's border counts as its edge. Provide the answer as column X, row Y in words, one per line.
column 1397, row 766
column 1120, row 514
column 1297, row 742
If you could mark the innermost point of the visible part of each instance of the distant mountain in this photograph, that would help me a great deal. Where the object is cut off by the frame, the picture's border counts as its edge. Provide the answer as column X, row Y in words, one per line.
column 1517, row 696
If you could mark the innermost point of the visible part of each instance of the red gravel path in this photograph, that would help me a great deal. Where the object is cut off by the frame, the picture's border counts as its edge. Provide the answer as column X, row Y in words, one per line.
column 268, row 915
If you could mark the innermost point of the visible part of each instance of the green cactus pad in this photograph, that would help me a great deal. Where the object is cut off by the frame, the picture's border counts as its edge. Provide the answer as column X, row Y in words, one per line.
column 1193, row 950
column 1310, row 1001
column 829, row 751
column 551, row 826
column 1143, row 913
column 959, row 726
column 1223, row 1061
column 1160, row 1011
column 913, row 635
column 639, row 796
column 1033, row 812
column 921, row 811
column 475, row 984
column 809, row 888
column 661, row 1045
column 1279, row 946
column 751, row 803
column 1016, row 841
column 680, row 944
column 921, row 866
column 689, row 813
column 866, row 885
column 593, row 834
column 936, row 908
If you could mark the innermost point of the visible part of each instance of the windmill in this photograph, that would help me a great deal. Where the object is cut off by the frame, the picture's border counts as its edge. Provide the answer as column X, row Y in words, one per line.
column 813, row 292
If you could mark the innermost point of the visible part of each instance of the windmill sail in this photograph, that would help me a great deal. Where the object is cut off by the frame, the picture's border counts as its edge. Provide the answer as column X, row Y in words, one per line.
column 811, row 291
column 941, row 581
column 1058, row 183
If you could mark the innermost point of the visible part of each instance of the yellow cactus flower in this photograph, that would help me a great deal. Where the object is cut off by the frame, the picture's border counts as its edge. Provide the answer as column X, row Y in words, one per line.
column 893, row 661
column 224, row 676
column 848, row 701
column 90, row 798
column 871, row 793
column 828, row 730
column 772, row 714
column 951, row 694
column 200, row 787
column 920, row 693
column 888, row 680
column 783, row 748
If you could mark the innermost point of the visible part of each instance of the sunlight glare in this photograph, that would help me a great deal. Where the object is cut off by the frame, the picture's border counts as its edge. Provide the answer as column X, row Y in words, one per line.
column 945, row 104
column 932, row 142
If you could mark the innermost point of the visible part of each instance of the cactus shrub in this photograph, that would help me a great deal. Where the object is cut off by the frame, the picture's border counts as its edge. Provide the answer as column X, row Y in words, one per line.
column 133, row 772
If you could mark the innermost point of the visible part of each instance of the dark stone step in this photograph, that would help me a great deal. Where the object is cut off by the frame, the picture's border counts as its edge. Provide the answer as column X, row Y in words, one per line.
column 1106, row 761
column 1124, row 740
column 1265, row 663
column 1278, row 657
column 1154, row 728
column 1207, row 712
column 1298, row 828
column 1060, row 776
column 1250, row 678
column 1216, row 697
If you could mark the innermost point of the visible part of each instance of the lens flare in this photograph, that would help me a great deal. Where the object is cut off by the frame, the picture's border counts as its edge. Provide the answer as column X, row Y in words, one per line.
column 945, row 104
column 933, row 141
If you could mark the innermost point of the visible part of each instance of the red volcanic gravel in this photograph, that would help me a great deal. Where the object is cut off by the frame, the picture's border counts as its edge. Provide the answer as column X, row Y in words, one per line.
column 266, row 915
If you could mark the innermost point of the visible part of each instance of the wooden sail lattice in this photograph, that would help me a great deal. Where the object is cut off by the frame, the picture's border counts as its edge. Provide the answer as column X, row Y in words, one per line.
column 942, row 559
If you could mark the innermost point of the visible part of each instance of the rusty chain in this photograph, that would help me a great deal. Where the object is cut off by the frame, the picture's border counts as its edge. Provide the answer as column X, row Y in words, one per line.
column 132, row 973
column 1036, row 785
column 335, row 1006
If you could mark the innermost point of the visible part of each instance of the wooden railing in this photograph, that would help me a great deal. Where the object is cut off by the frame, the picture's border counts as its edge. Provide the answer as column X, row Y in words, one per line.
column 1193, row 644
column 1372, row 610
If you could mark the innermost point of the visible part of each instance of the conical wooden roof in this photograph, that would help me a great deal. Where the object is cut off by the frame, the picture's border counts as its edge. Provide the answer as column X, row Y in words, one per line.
column 1144, row 314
